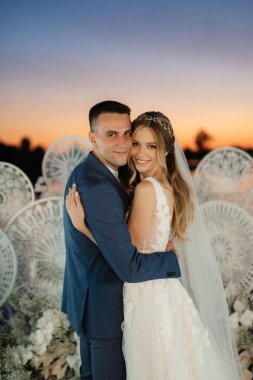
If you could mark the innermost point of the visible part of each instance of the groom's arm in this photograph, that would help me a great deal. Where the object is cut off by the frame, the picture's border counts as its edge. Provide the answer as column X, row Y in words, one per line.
column 105, row 217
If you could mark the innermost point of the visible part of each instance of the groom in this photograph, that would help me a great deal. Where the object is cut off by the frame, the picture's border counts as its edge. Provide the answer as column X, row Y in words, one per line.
column 94, row 274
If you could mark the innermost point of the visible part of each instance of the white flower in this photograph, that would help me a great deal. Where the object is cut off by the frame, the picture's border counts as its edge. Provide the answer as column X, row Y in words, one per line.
column 35, row 361
column 47, row 331
column 39, row 341
column 245, row 359
column 230, row 292
column 239, row 306
column 25, row 353
column 46, row 326
column 75, row 337
column 37, row 337
column 234, row 318
column 45, row 320
column 247, row 318
column 42, row 322
column 53, row 317
column 71, row 360
column 41, row 349
column 50, row 321
column 74, row 361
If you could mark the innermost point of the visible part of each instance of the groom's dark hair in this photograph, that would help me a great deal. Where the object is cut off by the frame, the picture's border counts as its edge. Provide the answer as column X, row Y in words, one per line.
column 108, row 106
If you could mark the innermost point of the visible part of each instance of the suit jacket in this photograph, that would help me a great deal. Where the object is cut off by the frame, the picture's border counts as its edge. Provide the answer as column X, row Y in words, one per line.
column 94, row 274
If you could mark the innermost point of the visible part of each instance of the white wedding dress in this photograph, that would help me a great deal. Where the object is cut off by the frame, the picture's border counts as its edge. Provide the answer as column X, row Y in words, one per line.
column 163, row 336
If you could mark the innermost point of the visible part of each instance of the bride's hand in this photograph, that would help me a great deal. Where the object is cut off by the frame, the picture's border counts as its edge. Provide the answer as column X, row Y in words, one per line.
column 170, row 247
column 75, row 209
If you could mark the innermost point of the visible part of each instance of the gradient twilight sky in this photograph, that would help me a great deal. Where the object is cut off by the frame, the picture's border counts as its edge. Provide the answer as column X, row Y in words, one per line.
column 191, row 59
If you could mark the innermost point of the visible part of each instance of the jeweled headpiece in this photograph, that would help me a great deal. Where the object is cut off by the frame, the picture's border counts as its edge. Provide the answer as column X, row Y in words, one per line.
column 154, row 116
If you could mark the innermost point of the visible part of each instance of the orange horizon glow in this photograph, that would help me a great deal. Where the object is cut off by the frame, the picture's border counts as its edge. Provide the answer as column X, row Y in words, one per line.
column 215, row 142
column 43, row 130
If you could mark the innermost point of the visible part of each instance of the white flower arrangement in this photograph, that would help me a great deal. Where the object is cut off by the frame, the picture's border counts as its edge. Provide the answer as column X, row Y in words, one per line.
column 242, row 322
column 38, row 342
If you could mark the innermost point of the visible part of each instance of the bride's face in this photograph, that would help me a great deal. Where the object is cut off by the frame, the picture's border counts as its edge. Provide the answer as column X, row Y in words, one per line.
column 144, row 152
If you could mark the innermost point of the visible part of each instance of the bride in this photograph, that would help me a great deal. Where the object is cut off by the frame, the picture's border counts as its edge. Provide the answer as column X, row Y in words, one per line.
column 173, row 329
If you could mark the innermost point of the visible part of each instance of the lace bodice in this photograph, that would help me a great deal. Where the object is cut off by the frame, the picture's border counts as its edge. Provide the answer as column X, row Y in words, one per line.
column 160, row 225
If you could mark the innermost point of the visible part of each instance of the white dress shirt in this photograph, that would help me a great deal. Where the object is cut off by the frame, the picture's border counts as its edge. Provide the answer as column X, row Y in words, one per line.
column 114, row 172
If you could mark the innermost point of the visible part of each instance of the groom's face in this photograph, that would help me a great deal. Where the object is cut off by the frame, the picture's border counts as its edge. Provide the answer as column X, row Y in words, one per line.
column 111, row 138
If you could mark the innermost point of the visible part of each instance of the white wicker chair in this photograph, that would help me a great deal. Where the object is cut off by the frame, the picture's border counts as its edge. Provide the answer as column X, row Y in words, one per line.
column 37, row 235
column 16, row 191
column 60, row 160
column 231, row 232
column 226, row 174
column 8, row 267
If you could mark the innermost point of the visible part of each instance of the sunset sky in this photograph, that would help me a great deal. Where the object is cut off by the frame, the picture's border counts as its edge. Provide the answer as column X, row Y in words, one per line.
column 192, row 60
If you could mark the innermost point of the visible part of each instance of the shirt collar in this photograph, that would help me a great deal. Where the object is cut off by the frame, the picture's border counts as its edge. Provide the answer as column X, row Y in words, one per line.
column 114, row 172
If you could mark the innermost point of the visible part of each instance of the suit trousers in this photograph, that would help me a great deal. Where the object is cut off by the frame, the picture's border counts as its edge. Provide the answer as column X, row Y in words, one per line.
column 101, row 359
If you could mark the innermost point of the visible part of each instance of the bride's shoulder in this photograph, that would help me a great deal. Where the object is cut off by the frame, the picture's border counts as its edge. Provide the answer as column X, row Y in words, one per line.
column 144, row 199
column 145, row 188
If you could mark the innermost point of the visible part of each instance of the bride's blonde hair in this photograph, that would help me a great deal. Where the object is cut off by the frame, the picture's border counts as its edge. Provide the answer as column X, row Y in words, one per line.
column 164, row 136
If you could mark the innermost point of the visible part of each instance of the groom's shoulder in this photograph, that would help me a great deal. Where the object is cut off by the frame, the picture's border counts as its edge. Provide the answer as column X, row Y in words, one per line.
column 86, row 174
column 88, row 167
column 80, row 171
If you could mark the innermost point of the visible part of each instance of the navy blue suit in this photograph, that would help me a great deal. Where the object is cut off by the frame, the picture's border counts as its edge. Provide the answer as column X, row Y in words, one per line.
column 94, row 274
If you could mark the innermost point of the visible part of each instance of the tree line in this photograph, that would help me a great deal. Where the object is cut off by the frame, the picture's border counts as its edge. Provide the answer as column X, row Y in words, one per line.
column 30, row 159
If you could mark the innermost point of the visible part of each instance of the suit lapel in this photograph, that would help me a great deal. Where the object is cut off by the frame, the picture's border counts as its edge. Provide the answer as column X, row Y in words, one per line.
column 98, row 166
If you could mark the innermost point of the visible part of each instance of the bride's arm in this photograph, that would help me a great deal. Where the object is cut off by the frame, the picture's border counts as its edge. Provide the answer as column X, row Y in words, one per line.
column 142, row 211
column 76, row 212
column 139, row 220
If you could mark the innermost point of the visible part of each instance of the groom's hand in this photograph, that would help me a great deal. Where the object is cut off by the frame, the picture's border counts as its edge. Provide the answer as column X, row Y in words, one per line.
column 170, row 247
